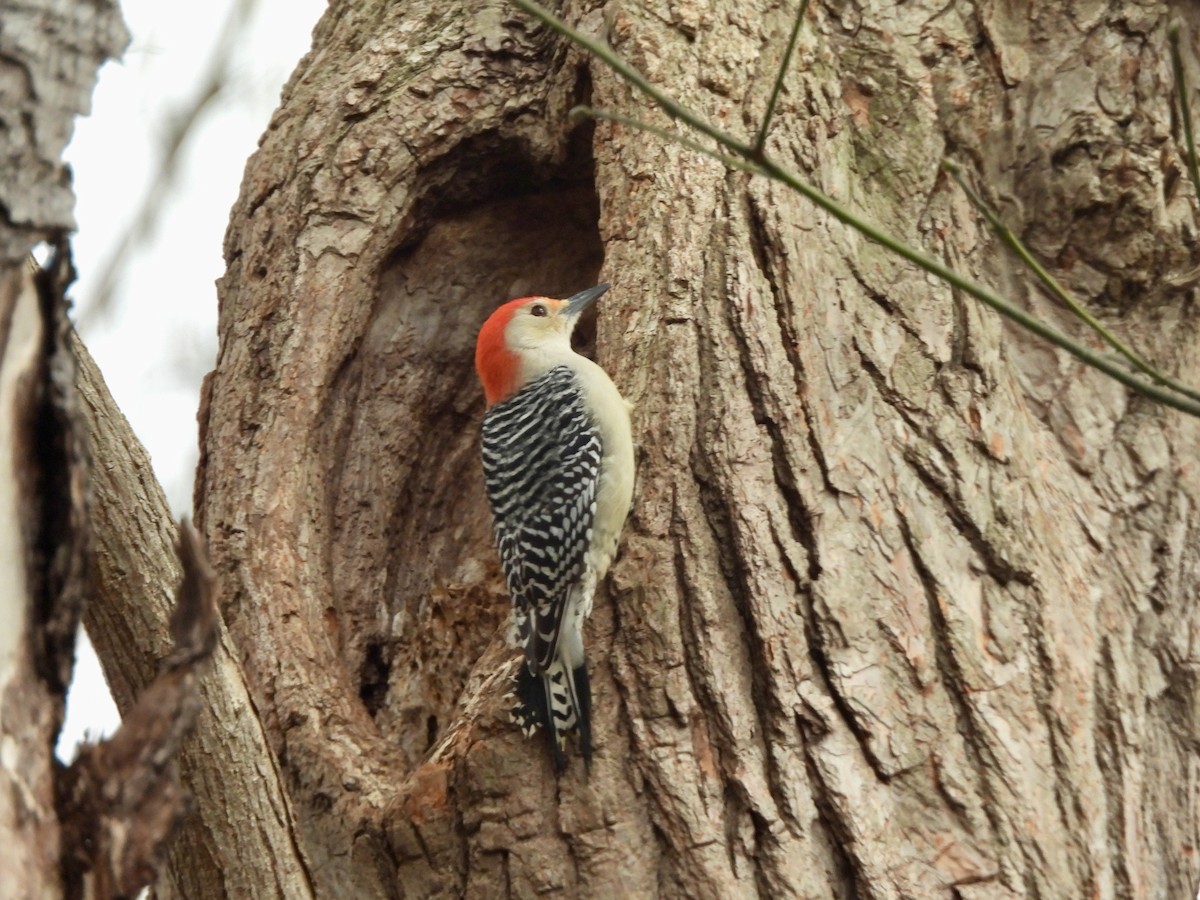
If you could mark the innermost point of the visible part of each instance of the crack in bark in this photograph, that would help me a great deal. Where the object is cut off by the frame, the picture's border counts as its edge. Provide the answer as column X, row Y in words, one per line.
column 894, row 399
column 764, row 703
column 999, row 569
column 820, row 660
column 700, row 687
column 856, row 881
column 1042, row 679
column 824, row 668
column 953, row 678
column 891, row 309
column 816, row 643
column 803, row 534
column 799, row 516
column 761, row 246
column 737, row 590
column 1109, row 763
column 1169, row 557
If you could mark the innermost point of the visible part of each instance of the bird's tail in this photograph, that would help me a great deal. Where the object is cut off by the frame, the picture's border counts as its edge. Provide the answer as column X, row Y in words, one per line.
column 559, row 700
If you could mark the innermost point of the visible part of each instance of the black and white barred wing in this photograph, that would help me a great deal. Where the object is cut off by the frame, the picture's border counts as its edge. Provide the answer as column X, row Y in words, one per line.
column 541, row 464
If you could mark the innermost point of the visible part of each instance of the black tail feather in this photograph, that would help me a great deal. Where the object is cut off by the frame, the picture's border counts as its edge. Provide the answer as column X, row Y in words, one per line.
column 531, row 711
column 583, row 713
column 536, row 707
column 556, row 751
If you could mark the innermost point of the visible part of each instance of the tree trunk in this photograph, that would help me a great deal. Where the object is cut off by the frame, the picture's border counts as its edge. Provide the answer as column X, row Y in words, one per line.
column 907, row 603
column 98, row 827
column 49, row 54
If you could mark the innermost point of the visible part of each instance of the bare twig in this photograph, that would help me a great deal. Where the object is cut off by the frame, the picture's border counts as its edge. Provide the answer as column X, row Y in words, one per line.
column 759, row 163
column 671, row 137
column 760, row 142
column 1185, row 110
column 632, row 76
column 1051, row 284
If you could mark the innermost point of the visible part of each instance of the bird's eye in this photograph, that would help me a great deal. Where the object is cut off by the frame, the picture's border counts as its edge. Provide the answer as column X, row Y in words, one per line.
column 538, row 309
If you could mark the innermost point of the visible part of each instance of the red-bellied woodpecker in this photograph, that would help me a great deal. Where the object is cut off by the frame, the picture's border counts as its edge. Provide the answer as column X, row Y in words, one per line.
column 558, row 468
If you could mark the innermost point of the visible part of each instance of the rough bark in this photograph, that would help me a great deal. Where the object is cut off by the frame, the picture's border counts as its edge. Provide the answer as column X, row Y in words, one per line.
column 907, row 603
column 121, row 800
column 42, row 543
column 225, row 764
column 97, row 828
column 49, row 54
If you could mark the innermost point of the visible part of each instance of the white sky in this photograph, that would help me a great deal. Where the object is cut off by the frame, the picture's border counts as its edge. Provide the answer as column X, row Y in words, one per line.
column 159, row 336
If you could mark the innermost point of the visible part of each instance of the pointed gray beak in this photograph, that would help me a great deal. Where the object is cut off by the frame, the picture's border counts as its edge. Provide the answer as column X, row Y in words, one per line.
column 581, row 301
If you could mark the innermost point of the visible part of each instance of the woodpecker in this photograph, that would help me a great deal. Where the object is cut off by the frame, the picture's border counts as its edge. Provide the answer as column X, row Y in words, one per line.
column 558, row 469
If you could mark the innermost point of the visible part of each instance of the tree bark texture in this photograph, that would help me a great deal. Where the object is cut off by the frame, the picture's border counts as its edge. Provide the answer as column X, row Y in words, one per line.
column 41, row 547
column 907, row 604
column 232, row 777
column 49, row 54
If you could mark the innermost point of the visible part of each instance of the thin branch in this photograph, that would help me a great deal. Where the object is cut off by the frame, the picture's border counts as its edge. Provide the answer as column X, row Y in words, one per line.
column 671, row 137
column 770, row 169
column 760, row 142
column 628, row 73
column 1185, row 111
column 982, row 294
column 1051, row 284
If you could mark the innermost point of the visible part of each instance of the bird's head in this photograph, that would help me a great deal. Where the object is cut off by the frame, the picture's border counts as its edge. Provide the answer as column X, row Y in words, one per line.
column 526, row 338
